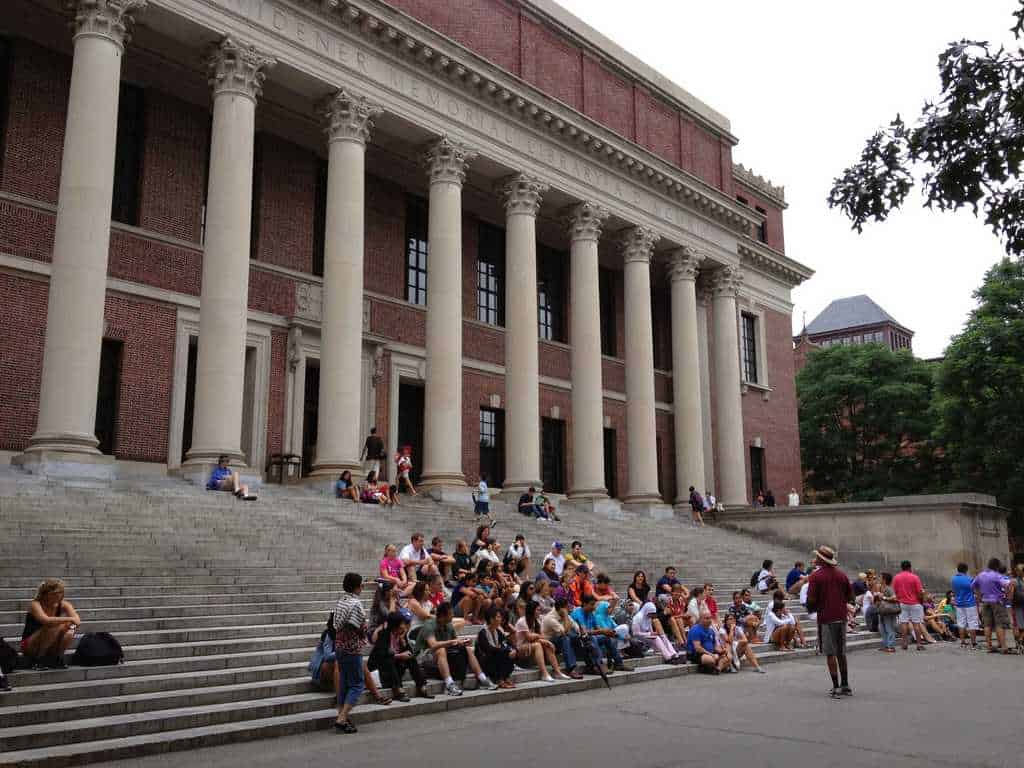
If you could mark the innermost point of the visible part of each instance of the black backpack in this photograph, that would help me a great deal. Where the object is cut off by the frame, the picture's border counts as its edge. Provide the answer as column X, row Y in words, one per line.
column 753, row 577
column 98, row 649
column 8, row 658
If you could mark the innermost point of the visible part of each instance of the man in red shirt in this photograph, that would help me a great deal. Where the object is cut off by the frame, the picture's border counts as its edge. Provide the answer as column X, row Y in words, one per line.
column 828, row 593
column 910, row 592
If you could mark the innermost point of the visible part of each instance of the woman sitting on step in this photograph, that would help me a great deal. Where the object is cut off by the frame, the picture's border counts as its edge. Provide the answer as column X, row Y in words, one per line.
column 50, row 625
column 392, row 657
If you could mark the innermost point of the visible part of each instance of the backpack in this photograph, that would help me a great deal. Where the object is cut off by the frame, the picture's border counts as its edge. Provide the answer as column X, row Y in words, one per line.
column 8, row 658
column 753, row 577
column 98, row 649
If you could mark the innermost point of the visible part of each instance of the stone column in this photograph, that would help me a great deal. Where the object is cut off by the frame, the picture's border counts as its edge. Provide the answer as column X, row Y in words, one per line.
column 732, row 463
column 446, row 162
column 585, row 221
column 688, row 411
column 641, row 434
column 350, row 119
column 521, row 196
column 78, row 282
column 237, row 72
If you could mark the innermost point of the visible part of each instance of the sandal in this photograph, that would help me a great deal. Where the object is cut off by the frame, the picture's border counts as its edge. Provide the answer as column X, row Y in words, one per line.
column 345, row 726
column 381, row 699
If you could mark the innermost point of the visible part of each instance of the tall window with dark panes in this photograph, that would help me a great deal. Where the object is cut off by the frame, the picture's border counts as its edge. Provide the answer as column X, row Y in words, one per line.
column 550, row 294
column 748, row 329
column 492, row 445
column 131, row 128
column 606, row 289
column 762, row 228
column 5, row 92
column 319, row 216
column 257, row 193
column 416, row 251
column 490, row 275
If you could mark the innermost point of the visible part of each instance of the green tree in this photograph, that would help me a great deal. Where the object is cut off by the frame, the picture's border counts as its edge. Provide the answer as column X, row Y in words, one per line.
column 968, row 146
column 866, row 423
column 981, row 393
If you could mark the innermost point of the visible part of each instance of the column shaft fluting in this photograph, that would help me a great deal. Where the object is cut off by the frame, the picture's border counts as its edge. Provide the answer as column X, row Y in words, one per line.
column 78, row 281
column 585, row 221
column 687, row 408
column 341, row 332
column 731, row 462
column 641, row 426
column 521, row 196
column 442, row 423
column 236, row 75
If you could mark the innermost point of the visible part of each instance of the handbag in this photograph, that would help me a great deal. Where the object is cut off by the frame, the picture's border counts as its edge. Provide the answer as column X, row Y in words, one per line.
column 886, row 607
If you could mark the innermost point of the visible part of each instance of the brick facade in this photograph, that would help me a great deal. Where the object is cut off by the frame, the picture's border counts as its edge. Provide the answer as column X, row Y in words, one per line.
column 164, row 252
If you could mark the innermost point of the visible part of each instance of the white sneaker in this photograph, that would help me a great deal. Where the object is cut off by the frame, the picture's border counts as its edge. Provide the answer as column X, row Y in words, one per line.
column 548, row 679
column 452, row 689
column 485, row 684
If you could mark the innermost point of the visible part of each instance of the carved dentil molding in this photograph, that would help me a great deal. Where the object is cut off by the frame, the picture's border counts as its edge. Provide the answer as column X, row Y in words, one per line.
column 447, row 159
column 110, row 19
column 726, row 281
column 684, row 263
column 349, row 116
column 585, row 220
column 521, row 194
column 637, row 244
column 237, row 68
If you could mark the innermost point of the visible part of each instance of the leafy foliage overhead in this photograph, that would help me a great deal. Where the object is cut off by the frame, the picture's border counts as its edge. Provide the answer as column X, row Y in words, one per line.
column 968, row 146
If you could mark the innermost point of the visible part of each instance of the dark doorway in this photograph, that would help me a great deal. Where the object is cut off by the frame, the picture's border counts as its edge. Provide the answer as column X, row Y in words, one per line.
column 310, row 416
column 107, row 393
column 661, row 472
column 190, row 396
column 756, row 470
column 492, row 446
column 410, row 426
column 610, row 462
column 552, row 455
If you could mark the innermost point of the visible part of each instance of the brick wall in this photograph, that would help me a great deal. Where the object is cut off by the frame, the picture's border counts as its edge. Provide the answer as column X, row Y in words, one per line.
column 276, row 399
column 657, row 126
column 608, row 98
column 145, row 260
column 23, row 329
column 286, row 202
column 551, row 63
column 26, row 231
column 775, row 420
column 147, row 331
column 477, row 388
column 773, row 229
column 384, row 268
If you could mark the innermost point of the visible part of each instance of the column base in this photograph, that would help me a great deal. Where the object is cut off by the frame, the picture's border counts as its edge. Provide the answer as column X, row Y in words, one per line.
column 583, row 494
column 649, row 507
column 519, row 486
column 67, row 464
column 454, row 493
column 332, row 469
column 591, row 506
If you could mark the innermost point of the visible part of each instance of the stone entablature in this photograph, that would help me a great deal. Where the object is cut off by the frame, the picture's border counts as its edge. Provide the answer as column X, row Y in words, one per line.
column 442, row 86
column 777, row 194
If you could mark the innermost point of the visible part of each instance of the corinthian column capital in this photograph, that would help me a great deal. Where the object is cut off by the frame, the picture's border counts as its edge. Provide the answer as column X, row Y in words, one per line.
column 684, row 264
column 237, row 68
column 585, row 220
column 637, row 243
column 726, row 281
column 521, row 193
column 110, row 19
column 349, row 116
column 447, row 159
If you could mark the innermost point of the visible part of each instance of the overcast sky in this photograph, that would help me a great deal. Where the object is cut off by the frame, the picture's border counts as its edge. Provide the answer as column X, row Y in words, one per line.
column 805, row 83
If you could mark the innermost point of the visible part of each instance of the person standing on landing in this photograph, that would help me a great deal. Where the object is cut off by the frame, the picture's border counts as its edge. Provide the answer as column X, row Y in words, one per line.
column 829, row 592
column 696, row 508
column 373, row 452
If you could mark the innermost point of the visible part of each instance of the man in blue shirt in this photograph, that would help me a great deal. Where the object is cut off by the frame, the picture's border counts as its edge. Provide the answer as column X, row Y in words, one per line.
column 666, row 582
column 795, row 578
column 966, row 606
column 703, row 648
column 602, row 639
column 222, row 478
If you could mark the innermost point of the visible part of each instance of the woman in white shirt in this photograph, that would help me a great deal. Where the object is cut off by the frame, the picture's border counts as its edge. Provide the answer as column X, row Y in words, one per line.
column 696, row 606
column 734, row 639
column 519, row 553
column 780, row 627
column 531, row 644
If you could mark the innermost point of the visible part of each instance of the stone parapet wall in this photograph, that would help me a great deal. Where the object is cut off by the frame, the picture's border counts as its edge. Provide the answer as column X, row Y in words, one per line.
column 933, row 532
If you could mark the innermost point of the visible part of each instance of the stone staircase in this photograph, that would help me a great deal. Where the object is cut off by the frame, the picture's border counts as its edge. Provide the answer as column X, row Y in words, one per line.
column 218, row 604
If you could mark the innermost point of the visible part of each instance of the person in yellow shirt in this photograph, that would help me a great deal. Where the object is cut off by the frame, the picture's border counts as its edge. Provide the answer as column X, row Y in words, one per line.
column 576, row 555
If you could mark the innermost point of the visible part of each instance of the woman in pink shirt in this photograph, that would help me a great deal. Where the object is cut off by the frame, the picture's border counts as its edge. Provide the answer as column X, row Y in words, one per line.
column 391, row 569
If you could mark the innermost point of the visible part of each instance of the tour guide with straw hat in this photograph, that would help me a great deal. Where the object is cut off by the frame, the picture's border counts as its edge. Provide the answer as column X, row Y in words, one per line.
column 828, row 594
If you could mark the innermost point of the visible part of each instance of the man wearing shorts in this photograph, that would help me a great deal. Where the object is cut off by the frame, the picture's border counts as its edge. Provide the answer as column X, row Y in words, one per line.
column 966, row 606
column 910, row 592
column 990, row 588
column 828, row 593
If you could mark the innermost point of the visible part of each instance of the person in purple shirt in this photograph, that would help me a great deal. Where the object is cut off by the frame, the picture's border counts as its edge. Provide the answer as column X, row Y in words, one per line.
column 990, row 587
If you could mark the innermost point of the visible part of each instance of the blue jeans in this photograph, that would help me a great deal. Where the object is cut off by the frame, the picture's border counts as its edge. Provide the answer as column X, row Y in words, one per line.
column 539, row 512
column 350, row 678
column 604, row 647
column 564, row 644
column 887, row 629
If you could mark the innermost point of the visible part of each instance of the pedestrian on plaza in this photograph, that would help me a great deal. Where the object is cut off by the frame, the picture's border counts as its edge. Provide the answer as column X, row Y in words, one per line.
column 990, row 588
column 966, row 606
column 888, row 608
column 350, row 630
column 828, row 594
column 910, row 592
column 373, row 452
column 769, row 498
column 794, row 498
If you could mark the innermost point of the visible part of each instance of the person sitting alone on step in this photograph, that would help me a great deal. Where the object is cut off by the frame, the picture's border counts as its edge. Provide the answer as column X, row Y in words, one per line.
column 345, row 488
column 223, row 478
column 50, row 625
